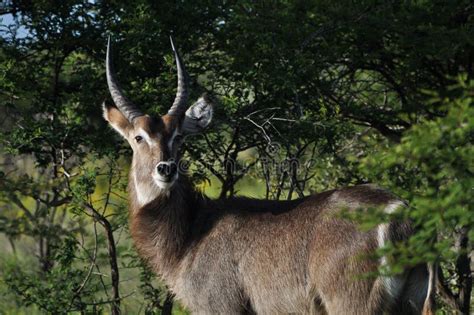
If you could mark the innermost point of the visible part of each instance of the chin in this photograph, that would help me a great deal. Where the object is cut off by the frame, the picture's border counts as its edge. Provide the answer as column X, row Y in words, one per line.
column 165, row 184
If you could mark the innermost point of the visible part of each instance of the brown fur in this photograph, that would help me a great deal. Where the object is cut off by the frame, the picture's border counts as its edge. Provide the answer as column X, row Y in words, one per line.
column 220, row 257
column 242, row 255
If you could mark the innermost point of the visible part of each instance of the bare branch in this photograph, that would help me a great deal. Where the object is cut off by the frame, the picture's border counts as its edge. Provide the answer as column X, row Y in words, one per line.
column 112, row 252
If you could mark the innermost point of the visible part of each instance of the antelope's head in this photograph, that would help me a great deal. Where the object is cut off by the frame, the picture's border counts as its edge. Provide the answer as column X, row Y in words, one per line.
column 155, row 140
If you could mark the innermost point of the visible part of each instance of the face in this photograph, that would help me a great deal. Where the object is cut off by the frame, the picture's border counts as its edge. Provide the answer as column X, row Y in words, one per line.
column 156, row 141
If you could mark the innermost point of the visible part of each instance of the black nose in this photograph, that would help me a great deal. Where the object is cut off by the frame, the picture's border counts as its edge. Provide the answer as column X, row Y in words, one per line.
column 167, row 169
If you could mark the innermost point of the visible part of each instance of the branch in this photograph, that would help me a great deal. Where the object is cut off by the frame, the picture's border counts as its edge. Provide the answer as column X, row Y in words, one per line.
column 167, row 304
column 89, row 272
column 114, row 271
column 463, row 270
column 445, row 292
column 18, row 202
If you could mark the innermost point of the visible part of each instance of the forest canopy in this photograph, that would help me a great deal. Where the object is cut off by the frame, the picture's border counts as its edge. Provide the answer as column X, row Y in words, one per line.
column 310, row 96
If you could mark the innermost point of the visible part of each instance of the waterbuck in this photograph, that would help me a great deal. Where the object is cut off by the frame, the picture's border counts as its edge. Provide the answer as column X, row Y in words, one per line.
column 239, row 255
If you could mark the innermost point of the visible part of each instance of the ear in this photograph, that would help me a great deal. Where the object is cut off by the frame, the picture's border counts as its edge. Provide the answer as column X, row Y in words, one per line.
column 117, row 120
column 198, row 116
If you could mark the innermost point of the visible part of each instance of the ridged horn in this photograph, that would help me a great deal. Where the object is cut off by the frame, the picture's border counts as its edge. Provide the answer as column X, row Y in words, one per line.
column 182, row 93
column 121, row 101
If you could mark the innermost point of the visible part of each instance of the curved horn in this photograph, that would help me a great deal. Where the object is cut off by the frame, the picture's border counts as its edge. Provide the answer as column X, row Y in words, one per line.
column 121, row 101
column 179, row 104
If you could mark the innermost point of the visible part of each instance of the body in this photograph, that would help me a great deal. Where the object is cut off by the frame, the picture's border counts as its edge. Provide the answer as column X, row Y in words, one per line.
column 239, row 255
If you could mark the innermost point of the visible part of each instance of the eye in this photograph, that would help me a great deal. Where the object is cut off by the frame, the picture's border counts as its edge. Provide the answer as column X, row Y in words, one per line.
column 138, row 139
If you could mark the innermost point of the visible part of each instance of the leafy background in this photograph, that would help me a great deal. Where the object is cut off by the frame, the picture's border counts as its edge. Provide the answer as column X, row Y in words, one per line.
column 312, row 95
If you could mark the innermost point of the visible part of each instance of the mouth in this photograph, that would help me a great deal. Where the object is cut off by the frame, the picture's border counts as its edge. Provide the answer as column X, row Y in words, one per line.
column 165, row 182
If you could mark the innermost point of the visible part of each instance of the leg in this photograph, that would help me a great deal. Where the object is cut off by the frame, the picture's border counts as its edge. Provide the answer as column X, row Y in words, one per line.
column 418, row 292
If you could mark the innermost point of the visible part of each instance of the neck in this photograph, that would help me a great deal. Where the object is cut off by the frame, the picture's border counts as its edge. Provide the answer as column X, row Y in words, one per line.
column 161, row 227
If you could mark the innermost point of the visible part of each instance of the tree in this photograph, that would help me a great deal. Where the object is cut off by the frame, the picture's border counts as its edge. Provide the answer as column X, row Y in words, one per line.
column 311, row 95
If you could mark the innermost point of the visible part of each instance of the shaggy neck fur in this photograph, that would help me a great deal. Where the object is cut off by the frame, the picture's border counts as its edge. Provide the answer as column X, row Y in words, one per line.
column 161, row 228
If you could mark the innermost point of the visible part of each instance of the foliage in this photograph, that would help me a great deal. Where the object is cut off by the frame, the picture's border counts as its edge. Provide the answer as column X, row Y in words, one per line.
column 312, row 95
column 432, row 169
